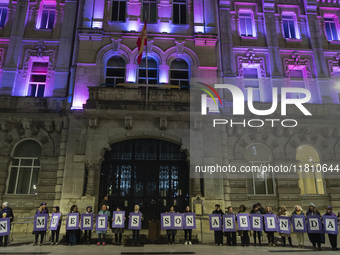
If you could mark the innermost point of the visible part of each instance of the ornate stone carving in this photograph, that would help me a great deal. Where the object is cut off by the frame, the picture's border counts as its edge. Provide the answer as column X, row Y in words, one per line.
column 39, row 52
column 128, row 122
column 296, row 60
column 251, row 59
column 93, row 122
column 163, row 123
column 334, row 63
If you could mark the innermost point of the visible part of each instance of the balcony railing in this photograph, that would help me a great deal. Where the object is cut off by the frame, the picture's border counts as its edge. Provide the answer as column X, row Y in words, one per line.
column 138, row 97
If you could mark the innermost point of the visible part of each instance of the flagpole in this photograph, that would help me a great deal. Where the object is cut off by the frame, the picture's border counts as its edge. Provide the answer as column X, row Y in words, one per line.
column 146, row 62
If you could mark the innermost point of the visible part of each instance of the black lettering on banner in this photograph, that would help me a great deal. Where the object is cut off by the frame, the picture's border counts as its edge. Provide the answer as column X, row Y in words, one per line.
column 40, row 222
column 3, row 225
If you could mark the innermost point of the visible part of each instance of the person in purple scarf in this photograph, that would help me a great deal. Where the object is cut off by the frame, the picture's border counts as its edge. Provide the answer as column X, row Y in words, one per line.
column 332, row 238
column 41, row 210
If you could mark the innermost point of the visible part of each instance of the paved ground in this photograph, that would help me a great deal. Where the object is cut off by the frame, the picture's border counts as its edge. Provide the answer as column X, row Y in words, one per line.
column 199, row 249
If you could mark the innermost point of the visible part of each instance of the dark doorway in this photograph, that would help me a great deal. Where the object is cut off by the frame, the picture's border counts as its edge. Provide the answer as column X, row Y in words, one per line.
column 151, row 173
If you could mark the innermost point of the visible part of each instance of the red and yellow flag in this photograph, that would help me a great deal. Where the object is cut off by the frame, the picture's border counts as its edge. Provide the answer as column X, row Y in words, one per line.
column 142, row 40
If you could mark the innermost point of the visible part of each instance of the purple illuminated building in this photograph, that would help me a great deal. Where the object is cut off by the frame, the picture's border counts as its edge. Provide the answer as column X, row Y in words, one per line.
column 78, row 122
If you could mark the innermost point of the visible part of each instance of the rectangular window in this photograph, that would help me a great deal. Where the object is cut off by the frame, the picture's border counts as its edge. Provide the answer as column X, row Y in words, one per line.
column 37, row 80
column 118, row 10
column 3, row 15
column 150, row 11
column 289, row 26
column 261, row 183
column 246, row 24
column 296, row 78
column 179, row 12
column 331, row 29
column 251, row 80
column 47, row 17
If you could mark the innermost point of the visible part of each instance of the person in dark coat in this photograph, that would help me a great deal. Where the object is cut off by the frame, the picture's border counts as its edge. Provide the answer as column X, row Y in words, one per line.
column 218, row 233
column 314, row 238
column 118, row 231
column 256, row 233
column 333, row 239
column 270, row 234
column 6, row 212
column 231, row 236
column 88, row 233
column 72, row 234
column 55, row 233
column 187, row 232
column 244, row 233
column 41, row 210
column 261, row 209
column 171, row 233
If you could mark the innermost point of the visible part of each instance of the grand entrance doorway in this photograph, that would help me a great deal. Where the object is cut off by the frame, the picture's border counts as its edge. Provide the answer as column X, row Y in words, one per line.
column 151, row 173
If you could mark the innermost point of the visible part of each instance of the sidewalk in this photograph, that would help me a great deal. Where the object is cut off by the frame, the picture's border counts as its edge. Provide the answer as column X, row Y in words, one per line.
column 199, row 249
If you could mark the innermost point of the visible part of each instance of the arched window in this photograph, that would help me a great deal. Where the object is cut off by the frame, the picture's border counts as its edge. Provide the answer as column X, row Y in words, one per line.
column 259, row 183
column 152, row 72
column 115, row 70
column 179, row 72
column 310, row 182
column 25, row 168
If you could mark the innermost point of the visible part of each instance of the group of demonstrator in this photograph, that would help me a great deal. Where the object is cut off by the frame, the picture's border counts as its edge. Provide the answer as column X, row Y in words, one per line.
column 315, row 238
column 73, row 236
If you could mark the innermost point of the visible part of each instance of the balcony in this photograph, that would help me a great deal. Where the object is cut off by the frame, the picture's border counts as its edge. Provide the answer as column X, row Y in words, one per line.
column 139, row 97
column 12, row 104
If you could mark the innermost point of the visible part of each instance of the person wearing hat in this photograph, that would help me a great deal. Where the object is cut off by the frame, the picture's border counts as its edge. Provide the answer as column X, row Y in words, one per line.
column 256, row 233
column 218, row 233
column 118, row 231
column 41, row 210
column 314, row 238
column 332, row 238
column 283, row 212
column 55, row 233
column 6, row 212
column 87, row 233
column 300, row 236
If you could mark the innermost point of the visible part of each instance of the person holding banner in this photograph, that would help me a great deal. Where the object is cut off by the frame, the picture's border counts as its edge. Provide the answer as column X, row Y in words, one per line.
column 332, row 237
column 231, row 236
column 270, row 234
column 41, row 210
column 171, row 233
column 135, row 232
column 6, row 212
column 118, row 231
column 72, row 234
column 314, row 238
column 187, row 232
column 243, row 233
column 218, row 233
column 104, row 210
column 258, row 233
column 300, row 235
column 283, row 212
column 88, row 233
column 55, row 233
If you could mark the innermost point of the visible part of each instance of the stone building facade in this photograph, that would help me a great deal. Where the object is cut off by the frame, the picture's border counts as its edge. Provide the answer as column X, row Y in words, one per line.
column 71, row 83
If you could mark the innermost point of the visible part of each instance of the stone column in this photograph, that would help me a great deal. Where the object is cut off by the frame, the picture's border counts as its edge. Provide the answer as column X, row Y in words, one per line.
column 93, row 170
column 65, row 49
column 272, row 39
column 226, row 38
column 14, row 48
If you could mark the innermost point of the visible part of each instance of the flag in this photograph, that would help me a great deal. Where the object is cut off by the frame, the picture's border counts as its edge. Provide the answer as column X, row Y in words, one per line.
column 142, row 40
